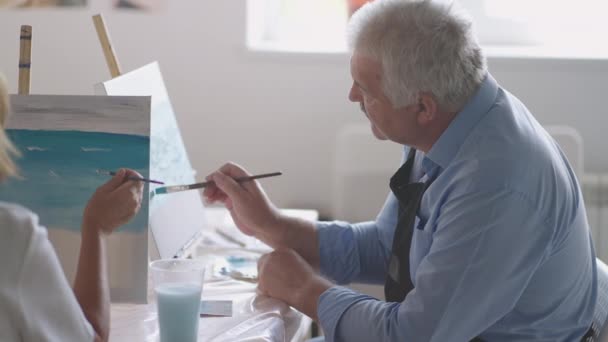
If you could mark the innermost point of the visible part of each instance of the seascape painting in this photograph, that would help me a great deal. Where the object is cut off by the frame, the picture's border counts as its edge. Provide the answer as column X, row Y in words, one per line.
column 54, row 162
column 42, row 3
column 141, row 5
column 64, row 141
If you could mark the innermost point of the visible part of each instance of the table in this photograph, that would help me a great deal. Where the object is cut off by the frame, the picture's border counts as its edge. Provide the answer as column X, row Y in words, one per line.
column 255, row 317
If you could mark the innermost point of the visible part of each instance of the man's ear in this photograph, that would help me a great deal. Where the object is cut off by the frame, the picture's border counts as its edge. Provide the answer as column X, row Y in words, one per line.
column 427, row 109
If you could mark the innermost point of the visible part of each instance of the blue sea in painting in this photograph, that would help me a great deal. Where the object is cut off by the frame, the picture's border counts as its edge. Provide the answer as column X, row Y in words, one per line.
column 59, row 171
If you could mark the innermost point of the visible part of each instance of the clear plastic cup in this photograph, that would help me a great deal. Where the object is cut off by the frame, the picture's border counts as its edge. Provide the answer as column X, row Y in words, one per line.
column 178, row 284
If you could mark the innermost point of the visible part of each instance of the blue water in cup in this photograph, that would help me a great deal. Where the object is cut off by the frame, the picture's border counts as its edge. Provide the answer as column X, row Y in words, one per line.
column 178, row 311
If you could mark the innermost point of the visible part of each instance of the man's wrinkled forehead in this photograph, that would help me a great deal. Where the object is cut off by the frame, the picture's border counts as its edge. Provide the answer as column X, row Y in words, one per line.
column 365, row 69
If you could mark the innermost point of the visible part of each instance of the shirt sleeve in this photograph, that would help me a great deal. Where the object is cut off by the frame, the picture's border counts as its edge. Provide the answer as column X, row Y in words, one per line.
column 50, row 309
column 486, row 247
column 358, row 252
column 352, row 252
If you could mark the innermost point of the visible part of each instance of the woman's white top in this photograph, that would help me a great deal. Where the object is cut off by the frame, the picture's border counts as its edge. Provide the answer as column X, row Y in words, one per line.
column 36, row 301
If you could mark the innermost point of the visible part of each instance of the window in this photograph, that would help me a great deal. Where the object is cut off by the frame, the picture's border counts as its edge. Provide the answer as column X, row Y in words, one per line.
column 554, row 21
column 297, row 25
column 319, row 25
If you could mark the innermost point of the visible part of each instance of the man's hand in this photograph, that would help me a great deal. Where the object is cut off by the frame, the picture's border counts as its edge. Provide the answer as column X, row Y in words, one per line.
column 114, row 203
column 285, row 275
column 251, row 210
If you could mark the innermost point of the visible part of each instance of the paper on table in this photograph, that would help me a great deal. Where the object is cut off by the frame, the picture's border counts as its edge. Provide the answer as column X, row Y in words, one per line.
column 216, row 308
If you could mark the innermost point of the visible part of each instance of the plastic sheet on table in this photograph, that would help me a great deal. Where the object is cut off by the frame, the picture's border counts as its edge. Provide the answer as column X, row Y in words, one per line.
column 255, row 317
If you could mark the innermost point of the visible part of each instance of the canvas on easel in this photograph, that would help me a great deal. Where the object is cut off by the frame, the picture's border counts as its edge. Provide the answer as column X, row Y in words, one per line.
column 64, row 140
column 175, row 219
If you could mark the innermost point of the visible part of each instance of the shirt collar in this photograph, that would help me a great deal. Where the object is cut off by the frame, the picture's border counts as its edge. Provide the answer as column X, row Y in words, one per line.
column 448, row 144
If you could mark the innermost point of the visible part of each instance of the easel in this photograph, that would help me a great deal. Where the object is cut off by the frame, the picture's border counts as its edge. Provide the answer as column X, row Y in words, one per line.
column 25, row 53
column 25, row 59
column 106, row 45
column 189, row 247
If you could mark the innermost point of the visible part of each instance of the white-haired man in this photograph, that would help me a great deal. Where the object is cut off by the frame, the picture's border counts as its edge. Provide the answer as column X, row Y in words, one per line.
column 484, row 234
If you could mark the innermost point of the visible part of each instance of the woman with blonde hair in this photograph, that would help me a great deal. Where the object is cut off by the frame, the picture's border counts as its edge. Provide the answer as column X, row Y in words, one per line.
column 36, row 302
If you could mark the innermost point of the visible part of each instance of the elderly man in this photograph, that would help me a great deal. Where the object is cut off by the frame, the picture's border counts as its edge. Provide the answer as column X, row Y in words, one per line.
column 484, row 234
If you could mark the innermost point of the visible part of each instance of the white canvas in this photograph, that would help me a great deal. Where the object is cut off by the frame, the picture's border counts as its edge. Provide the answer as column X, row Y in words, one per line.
column 175, row 219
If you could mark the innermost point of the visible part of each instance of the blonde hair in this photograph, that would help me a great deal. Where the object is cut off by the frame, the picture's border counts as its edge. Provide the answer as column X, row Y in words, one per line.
column 7, row 149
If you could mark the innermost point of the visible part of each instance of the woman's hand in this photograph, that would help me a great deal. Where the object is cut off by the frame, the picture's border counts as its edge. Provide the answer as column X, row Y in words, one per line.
column 114, row 203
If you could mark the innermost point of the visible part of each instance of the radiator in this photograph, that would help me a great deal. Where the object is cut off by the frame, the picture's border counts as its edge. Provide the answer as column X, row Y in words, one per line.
column 595, row 194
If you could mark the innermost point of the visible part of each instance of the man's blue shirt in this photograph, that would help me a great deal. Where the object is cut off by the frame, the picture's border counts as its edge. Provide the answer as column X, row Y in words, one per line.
column 501, row 246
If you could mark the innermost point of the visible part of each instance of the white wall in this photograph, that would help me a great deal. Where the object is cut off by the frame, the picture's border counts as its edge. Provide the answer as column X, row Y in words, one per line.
column 265, row 111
